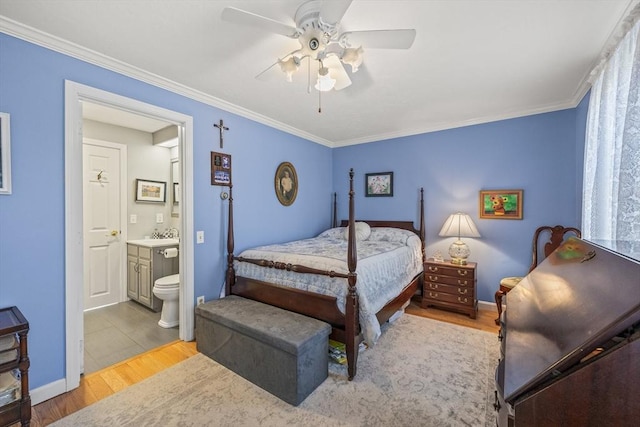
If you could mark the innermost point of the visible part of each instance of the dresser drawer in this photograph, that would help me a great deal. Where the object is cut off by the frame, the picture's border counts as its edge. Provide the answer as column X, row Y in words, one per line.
column 455, row 281
column 466, row 300
column 449, row 289
column 458, row 272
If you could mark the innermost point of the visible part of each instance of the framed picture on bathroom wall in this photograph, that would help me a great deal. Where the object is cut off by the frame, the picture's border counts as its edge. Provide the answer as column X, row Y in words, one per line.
column 220, row 169
column 151, row 191
column 501, row 204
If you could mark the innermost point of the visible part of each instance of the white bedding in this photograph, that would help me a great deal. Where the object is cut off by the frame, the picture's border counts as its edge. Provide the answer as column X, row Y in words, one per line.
column 387, row 261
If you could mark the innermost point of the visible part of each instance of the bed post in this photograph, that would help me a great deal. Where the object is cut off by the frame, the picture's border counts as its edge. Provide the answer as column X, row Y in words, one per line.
column 334, row 224
column 351, row 321
column 422, row 228
column 231, row 274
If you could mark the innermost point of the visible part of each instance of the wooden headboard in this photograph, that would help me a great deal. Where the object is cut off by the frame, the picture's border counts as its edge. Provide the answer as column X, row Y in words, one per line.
column 405, row 225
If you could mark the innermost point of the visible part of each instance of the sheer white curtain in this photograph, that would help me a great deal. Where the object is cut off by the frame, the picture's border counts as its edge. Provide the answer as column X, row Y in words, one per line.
column 611, row 190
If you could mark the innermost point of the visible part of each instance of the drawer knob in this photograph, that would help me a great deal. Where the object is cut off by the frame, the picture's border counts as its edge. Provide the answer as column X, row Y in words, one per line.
column 433, row 295
column 433, row 285
column 462, row 282
column 463, row 300
column 433, row 278
column 462, row 291
column 462, row 272
column 433, row 269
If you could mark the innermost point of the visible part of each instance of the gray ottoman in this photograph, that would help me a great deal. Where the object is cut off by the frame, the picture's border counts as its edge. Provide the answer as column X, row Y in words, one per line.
column 282, row 352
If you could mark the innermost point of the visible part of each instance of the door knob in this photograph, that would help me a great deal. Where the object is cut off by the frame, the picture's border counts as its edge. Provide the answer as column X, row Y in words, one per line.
column 113, row 233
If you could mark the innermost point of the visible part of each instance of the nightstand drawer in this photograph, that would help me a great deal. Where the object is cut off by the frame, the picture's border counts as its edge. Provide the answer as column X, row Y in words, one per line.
column 456, row 299
column 455, row 281
column 467, row 273
column 449, row 289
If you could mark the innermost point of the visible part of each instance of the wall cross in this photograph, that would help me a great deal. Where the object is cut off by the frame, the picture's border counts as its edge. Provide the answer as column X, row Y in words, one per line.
column 221, row 127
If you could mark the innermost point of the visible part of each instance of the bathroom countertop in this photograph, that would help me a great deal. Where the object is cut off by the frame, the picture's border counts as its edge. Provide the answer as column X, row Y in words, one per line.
column 153, row 243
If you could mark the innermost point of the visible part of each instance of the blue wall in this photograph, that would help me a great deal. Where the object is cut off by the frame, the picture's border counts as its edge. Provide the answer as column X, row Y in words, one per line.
column 32, row 231
column 536, row 154
column 540, row 154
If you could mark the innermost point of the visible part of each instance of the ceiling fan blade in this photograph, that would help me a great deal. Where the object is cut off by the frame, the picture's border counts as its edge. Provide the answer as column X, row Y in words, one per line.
column 380, row 39
column 237, row 16
column 337, row 71
column 332, row 11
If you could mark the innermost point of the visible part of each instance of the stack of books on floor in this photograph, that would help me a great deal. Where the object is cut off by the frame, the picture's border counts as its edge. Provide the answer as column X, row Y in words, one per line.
column 337, row 352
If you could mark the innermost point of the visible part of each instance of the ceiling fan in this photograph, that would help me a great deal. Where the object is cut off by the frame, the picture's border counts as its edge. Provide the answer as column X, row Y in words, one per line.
column 317, row 29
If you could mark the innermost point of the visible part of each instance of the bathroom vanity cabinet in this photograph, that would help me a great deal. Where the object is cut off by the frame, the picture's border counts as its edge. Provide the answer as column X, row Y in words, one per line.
column 146, row 264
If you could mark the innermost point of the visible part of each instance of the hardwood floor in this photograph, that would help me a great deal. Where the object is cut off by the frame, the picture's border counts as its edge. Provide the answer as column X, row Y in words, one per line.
column 110, row 380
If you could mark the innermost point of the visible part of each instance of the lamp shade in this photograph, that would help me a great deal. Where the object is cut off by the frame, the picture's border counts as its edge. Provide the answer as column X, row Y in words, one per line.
column 459, row 225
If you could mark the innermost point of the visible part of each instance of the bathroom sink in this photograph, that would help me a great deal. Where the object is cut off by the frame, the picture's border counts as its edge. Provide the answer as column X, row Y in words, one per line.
column 154, row 242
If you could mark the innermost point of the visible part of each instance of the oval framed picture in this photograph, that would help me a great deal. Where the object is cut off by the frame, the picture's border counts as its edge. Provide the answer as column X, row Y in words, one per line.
column 286, row 183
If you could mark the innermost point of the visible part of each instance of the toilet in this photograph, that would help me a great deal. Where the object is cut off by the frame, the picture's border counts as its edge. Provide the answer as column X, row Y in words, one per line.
column 168, row 289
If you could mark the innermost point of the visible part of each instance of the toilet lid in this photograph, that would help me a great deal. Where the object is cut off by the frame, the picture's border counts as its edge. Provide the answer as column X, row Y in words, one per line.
column 172, row 280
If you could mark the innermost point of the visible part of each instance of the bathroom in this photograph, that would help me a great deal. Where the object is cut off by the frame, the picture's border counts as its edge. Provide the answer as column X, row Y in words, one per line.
column 146, row 152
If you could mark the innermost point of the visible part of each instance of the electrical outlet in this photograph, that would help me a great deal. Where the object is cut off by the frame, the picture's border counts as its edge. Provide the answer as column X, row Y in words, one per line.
column 200, row 300
column 159, row 218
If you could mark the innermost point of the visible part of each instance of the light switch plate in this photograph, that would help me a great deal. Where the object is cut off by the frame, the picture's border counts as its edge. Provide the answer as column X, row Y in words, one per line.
column 133, row 218
column 200, row 237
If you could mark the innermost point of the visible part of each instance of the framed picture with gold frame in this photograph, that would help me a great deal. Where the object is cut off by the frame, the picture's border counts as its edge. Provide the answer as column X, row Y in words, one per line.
column 285, row 183
column 501, row 204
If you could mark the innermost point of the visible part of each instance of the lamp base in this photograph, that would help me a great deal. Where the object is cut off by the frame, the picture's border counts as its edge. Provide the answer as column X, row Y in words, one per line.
column 459, row 252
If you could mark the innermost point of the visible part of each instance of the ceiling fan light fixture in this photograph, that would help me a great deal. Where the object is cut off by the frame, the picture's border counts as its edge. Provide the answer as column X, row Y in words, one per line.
column 353, row 57
column 289, row 67
column 325, row 83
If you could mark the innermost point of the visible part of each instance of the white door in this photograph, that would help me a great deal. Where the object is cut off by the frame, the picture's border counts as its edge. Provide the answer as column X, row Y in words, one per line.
column 102, row 216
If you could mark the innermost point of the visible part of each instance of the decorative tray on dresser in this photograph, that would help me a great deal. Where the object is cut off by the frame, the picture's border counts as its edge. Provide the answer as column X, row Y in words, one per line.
column 450, row 286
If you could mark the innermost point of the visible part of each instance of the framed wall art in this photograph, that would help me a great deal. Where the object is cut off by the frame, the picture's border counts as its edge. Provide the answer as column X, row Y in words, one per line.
column 501, row 204
column 151, row 191
column 286, row 183
column 5, row 154
column 220, row 169
column 379, row 184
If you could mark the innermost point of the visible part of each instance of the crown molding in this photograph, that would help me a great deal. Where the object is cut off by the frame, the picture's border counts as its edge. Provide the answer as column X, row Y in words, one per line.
column 40, row 38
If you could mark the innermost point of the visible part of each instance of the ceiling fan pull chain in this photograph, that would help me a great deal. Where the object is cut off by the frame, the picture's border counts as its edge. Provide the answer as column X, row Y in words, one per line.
column 319, row 101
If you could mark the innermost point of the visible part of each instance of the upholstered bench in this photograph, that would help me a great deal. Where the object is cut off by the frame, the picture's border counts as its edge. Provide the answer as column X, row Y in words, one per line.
column 282, row 352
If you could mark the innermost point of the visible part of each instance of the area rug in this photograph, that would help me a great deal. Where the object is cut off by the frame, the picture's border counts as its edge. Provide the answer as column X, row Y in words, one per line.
column 420, row 373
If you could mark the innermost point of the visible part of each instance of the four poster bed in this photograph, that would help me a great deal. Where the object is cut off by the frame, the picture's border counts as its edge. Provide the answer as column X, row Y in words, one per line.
column 315, row 279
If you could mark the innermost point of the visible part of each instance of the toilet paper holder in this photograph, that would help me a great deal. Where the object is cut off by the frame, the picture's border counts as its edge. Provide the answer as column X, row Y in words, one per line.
column 168, row 252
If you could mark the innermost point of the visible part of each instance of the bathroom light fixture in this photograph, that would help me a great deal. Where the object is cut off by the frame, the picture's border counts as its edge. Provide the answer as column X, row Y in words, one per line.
column 459, row 225
column 353, row 57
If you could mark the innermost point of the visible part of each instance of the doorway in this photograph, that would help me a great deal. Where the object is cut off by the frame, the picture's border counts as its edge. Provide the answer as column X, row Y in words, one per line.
column 75, row 95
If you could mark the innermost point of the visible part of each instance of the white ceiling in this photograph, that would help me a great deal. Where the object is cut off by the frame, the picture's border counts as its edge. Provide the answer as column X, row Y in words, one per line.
column 472, row 61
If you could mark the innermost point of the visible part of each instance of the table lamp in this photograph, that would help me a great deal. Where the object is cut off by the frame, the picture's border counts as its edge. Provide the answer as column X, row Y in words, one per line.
column 459, row 225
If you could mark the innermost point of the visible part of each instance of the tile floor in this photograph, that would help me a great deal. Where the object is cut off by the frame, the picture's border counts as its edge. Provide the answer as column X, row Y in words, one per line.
column 120, row 331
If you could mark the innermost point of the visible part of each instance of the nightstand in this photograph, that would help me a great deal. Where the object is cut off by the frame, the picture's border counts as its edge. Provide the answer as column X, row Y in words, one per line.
column 450, row 286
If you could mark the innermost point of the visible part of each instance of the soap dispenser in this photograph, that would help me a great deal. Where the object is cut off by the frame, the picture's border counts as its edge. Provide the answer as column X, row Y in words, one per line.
column 156, row 234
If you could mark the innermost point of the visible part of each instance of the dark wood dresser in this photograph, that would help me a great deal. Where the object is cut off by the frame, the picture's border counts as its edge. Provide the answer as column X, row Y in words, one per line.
column 15, row 401
column 570, row 347
column 450, row 286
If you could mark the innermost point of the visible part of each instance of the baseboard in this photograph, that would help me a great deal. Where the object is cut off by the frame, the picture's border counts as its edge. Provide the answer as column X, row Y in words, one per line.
column 486, row 305
column 47, row 391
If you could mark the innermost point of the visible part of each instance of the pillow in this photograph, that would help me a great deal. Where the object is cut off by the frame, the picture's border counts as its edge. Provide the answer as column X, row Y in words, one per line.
column 333, row 233
column 390, row 234
column 363, row 231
